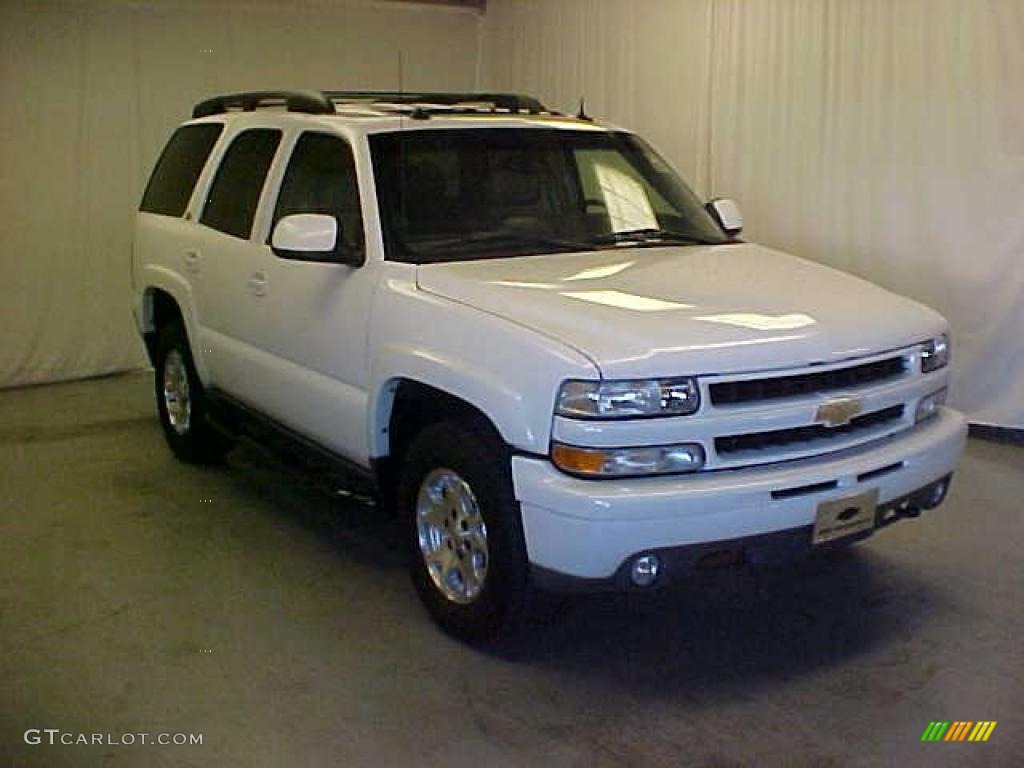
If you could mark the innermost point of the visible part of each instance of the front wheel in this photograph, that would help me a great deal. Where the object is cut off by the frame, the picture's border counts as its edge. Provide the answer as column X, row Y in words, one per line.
column 464, row 536
column 181, row 401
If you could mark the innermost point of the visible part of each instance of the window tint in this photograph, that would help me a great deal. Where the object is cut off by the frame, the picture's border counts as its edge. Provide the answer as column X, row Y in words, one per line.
column 479, row 180
column 235, row 192
column 321, row 178
column 460, row 194
column 178, row 168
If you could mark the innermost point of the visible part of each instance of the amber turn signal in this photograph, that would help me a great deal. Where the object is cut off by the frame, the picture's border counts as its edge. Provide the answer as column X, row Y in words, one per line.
column 628, row 462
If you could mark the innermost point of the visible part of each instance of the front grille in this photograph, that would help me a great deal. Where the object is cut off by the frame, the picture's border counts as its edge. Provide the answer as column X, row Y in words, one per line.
column 731, row 392
column 784, row 437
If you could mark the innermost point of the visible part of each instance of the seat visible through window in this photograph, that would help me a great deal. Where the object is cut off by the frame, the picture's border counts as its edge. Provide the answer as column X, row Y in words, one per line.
column 321, row 178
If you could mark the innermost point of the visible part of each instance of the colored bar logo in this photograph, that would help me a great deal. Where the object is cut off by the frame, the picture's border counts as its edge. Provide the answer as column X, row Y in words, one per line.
column 959, row 730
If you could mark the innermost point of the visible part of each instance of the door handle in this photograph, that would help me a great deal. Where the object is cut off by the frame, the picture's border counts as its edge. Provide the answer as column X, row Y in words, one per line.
column 258, row 284
column 191, row 259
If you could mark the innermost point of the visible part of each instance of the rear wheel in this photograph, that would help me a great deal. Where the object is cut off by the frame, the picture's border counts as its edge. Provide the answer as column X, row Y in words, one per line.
column 181, row 401
column 467, row 557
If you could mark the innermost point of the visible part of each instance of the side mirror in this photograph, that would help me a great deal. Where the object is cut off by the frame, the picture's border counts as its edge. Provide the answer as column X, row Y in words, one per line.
column 312, row 237
column 727, row 215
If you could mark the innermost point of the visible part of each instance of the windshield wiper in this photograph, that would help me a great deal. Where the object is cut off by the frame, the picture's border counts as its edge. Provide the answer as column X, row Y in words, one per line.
column 501, row 240
column 652, row 236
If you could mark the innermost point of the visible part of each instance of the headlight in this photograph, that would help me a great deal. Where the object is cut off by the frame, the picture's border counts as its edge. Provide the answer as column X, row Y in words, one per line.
column 935, row 354
column 928, row 405
column 628, row 399
column 628, row 462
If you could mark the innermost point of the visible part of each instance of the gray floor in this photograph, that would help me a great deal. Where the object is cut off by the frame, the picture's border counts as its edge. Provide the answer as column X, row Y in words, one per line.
column 246, row 604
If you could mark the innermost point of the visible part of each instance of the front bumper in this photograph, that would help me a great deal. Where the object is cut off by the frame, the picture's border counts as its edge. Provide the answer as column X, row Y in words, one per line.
column 588, row 529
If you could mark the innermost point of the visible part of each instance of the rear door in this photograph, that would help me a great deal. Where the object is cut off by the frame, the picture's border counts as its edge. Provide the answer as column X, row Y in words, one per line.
column 228, row 284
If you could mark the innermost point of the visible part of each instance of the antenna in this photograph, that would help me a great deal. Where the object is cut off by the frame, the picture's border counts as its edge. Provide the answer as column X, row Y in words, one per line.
column 582, row 113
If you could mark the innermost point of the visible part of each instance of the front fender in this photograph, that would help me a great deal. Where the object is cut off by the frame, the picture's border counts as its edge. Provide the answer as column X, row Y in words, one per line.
column 509, row 373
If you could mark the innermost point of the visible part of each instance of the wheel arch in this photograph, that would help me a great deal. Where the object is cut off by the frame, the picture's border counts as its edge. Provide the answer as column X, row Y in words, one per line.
column 167, row 298
column 159, row 308
column 406, row 405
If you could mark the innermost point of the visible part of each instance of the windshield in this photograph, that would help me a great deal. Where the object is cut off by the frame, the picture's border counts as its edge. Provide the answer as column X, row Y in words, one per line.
column 462, row 194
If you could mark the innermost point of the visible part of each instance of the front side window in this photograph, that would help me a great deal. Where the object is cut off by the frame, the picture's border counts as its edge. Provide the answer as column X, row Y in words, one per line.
column 178, row 169
column 321, row 178
column 235, row 193
column 458, row 194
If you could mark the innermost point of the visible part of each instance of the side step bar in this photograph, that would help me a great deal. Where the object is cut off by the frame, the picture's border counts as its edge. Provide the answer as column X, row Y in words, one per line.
column 237, row 420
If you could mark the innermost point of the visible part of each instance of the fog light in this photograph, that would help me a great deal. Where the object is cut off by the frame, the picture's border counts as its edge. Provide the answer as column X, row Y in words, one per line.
column 645, row 570
column 934, row 494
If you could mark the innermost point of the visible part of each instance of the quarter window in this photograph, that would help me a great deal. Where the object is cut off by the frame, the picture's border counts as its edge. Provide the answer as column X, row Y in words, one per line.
column 178, row 168
column 235, row 193
column 321, row 178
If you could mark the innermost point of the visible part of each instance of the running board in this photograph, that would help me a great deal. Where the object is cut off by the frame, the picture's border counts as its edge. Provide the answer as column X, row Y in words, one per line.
column 237, row 420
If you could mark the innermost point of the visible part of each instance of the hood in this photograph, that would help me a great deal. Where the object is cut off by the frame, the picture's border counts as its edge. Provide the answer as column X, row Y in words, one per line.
column 643, row 312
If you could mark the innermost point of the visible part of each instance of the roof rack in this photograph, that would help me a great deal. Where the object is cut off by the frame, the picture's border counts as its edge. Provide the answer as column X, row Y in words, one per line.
column 310, row 102
column 417, row 104
column 444, row 102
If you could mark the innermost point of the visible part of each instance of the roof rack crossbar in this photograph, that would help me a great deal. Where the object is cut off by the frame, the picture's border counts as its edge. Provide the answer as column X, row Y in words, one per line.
column 310, row 102
column 513, row 102
column 317, row 103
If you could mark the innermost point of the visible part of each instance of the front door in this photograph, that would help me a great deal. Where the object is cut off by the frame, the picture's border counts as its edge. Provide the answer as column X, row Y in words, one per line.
column 314, row 323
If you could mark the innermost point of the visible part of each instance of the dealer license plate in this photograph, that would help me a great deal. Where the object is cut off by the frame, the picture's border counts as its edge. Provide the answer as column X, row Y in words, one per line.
column 843, row 517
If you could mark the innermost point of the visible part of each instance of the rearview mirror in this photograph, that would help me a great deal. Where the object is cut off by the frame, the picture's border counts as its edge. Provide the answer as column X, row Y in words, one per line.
column 726, row 214
column 312, row 237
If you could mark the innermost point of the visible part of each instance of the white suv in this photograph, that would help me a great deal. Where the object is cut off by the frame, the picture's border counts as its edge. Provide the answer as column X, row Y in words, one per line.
column 531, row 339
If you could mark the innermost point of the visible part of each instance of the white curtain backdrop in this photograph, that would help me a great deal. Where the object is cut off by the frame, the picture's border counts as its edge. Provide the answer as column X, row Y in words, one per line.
column 91, row 91
column 884, row 137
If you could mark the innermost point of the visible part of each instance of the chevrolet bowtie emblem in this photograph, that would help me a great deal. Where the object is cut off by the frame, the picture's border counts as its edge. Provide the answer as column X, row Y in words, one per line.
column 838, row 412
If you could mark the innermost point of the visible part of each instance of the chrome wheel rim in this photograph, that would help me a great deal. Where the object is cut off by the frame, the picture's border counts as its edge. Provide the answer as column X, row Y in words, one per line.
column 452, row 536
column 177, row 402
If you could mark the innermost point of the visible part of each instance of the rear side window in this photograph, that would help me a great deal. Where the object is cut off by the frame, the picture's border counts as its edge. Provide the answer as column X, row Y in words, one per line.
column 235, row 192
column 178, row 168
column 321, row 178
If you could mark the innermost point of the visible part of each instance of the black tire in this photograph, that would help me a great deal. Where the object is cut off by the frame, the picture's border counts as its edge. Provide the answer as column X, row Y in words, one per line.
column 479, row 458
column 193, row 440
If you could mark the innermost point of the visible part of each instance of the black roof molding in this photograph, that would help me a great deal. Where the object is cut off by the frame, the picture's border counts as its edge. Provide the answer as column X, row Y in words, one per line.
column 310, row 102
column 323, row 103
